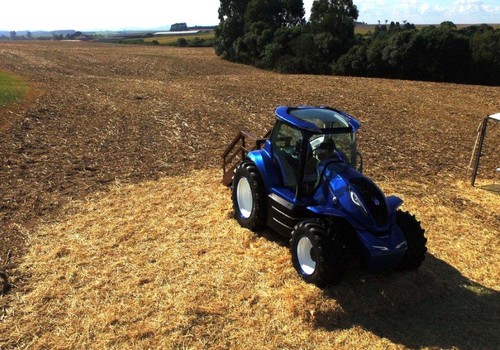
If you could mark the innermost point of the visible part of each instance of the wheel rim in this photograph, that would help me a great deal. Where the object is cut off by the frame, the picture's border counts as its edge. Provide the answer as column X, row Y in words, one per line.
column 244, row 197
column 304, row 255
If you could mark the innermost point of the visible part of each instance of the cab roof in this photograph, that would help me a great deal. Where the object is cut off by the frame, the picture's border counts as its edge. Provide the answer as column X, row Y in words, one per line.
column 318, row 120
column 495, row 116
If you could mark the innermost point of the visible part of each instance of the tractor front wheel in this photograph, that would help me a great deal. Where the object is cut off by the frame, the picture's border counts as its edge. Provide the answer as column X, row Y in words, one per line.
column 415, row 240
column 249, row 199
column 318, row 254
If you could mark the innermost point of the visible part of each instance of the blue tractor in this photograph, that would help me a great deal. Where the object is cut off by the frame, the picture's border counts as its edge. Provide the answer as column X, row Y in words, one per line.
column 304, row 183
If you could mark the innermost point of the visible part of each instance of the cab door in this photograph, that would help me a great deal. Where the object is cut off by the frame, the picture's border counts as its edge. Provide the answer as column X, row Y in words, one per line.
column 289, row 151
column 286, row 150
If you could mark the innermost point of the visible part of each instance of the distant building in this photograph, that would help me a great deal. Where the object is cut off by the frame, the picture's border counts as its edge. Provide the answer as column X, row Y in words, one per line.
column 178, row 27
column 184, row 32
column 64, row 32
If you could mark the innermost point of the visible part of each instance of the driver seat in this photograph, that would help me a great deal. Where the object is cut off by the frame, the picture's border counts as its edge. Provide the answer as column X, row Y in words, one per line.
column 310, row 172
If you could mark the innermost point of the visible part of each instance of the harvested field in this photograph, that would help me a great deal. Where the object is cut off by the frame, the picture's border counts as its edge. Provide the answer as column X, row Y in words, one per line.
column 116, row 232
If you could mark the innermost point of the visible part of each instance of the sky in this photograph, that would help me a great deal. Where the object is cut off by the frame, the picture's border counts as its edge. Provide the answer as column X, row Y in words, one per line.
column 118, row 14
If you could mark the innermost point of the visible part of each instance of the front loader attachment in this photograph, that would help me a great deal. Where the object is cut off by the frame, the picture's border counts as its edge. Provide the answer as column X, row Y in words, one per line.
column 236, row 152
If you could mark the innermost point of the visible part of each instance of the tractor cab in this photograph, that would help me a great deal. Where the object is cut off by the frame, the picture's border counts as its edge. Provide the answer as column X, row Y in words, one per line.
column 305, row 141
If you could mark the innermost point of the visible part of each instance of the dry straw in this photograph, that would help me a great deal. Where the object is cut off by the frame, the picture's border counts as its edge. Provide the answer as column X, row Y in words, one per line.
column 163, row 265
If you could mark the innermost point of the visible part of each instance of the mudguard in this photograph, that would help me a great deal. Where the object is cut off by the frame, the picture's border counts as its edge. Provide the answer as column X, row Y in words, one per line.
column 264, row 163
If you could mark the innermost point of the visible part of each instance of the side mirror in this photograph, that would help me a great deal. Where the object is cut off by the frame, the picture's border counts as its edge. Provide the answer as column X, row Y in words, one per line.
column 360, row 166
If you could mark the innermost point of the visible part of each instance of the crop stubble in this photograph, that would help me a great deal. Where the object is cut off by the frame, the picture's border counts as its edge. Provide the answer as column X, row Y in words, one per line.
column 109, row 115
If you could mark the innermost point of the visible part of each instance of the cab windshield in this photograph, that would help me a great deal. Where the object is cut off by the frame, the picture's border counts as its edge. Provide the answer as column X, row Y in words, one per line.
column 335, row 145
column 330, row 139
column 336, row 134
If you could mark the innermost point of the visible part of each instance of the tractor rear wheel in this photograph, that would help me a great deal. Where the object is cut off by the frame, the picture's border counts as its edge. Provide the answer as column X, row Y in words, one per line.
column 249, row 198
column 415, row 240
column 318, row 254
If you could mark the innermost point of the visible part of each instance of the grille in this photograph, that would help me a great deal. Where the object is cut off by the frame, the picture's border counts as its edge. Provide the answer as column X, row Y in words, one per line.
column 373, row 199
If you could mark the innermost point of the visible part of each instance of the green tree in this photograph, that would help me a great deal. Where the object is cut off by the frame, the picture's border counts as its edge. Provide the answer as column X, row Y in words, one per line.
column 399, row 55
column 269, row 13
column 443, row 54
column 231, row 28
column 337, row 18
column 485, row 49
column 278, row 54
column 448, row 25
column 247, row 27
column 273, row 34
column 294, row 13
column 256, row 39
column 354, row 62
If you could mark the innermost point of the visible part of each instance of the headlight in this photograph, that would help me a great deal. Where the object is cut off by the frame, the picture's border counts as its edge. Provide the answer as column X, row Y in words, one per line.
column 355, row 199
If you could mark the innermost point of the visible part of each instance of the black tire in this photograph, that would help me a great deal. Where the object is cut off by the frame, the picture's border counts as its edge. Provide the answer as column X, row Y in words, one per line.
column 249, row 198
column 318, row 253
column 415, row 239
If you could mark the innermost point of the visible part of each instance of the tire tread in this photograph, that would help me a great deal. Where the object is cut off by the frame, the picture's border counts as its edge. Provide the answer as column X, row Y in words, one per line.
column 330, row 262
column 415, row 238
column 257, row 219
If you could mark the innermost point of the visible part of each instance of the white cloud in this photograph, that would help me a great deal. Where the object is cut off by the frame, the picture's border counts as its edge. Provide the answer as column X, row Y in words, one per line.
column 369, row 5
column 430, row 11
column 478, row 10
column 464, row 6
column 491, row 9
column 424, row 8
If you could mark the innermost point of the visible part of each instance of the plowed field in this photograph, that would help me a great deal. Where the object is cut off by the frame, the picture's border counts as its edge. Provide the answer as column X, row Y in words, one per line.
column 116, row 233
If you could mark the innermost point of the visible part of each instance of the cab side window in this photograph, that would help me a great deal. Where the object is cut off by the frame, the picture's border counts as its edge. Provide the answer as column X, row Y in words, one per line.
column 287, row 143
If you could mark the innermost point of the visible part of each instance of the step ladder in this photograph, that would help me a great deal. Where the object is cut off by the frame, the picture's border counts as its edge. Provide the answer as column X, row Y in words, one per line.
column 478, row 146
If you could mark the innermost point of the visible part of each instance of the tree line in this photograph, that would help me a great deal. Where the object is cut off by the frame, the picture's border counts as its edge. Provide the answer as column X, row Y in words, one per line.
column 274, row 35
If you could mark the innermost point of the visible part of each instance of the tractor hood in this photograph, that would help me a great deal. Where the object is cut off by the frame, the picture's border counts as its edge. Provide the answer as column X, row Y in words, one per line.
column 355, row 197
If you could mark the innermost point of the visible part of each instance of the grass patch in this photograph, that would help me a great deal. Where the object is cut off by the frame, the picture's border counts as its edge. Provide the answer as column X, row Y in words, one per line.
column 11, row 88
column 166, row 40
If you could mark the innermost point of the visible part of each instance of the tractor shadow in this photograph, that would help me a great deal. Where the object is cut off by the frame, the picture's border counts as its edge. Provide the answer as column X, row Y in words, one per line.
column 495, row 188
column 435, row 306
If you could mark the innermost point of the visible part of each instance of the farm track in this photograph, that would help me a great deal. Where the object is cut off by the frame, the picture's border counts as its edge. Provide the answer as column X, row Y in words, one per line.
column 101, row 115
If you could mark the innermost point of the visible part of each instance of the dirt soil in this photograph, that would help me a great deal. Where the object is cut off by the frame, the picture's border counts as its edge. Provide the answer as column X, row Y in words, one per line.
column 99, row 115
